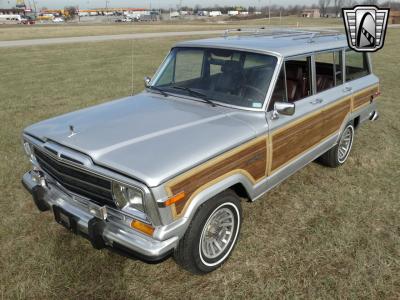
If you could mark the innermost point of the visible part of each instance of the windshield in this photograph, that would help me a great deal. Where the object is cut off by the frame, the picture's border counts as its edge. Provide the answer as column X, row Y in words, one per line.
column 227, row 76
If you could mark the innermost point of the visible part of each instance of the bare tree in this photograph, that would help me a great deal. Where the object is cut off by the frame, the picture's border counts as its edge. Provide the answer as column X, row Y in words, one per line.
column 337, row 6
column 323, row 5
column 70, row 12
column 349, row 3
column 370, row 2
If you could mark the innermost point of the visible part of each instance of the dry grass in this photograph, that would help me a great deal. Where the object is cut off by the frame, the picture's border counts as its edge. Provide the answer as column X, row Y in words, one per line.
column 323, row 233
column 20, row 32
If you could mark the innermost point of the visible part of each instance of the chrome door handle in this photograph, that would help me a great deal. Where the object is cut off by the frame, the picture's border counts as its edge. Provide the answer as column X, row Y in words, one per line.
column 347, row 89
column 317, row 101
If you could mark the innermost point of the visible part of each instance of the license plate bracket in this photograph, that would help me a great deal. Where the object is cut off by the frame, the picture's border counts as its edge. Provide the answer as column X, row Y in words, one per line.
column 65, row 218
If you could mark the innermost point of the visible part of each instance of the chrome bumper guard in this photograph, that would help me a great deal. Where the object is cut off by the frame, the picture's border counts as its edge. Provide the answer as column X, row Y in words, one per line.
column 102, row 227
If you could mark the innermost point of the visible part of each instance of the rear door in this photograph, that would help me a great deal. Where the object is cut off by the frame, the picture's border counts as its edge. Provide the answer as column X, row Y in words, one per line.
column 334, row 97
column 359, row 80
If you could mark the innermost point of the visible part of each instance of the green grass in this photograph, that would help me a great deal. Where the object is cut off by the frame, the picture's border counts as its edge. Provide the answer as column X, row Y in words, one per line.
column 20, row 32
column 323, row 233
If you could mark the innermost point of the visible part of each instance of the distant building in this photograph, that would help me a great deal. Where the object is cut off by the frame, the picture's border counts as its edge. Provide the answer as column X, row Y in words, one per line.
column 394, row 16
column 311, row 13
column 215, row 13
column 174, row 14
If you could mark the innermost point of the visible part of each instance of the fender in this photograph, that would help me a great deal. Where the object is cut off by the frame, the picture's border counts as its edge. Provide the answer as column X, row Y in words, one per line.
column 203, row 194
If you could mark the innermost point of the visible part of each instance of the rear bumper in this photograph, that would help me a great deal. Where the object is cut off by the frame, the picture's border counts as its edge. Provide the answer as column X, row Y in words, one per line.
column 108, row 232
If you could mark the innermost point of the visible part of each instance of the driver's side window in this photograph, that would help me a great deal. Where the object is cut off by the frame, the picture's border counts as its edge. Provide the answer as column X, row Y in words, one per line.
column 279, row 93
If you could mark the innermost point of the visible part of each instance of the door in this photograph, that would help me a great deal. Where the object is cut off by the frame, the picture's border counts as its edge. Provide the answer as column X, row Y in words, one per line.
column 334, row 96
column 291, row 136
column 359, row 82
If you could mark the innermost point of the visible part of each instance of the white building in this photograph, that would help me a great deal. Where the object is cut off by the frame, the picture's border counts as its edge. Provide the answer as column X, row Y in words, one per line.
column 215, row 13
column 233, row 13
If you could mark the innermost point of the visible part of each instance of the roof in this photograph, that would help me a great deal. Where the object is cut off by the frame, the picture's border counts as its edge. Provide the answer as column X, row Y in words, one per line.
column 288, row 44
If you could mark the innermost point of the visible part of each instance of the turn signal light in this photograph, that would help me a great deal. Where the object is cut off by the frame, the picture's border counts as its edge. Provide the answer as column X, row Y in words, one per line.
column 142, row 227
column 178, row 197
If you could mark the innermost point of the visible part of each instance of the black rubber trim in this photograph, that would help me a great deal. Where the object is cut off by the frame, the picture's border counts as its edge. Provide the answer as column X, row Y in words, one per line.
column 37, row 193
column 122, row 250
column 95, row 236
column 95, row 233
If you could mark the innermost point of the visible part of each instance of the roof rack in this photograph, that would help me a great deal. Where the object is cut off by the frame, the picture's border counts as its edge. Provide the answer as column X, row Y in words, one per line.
column 284, row 32
column 263, row 31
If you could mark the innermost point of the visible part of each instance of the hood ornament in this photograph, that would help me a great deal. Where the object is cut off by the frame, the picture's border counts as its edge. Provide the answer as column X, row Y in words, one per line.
column 72, row 131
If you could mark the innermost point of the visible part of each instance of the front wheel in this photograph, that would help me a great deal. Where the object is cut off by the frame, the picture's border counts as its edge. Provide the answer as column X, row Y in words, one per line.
column 211, row 235
column 338, row 155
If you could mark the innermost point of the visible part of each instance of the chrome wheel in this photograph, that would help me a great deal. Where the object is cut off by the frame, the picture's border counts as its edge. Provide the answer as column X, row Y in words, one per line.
column 345, row 143
column 217, row 233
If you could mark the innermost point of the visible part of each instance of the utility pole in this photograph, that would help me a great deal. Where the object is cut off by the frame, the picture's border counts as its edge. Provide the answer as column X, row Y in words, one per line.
column 108, row 18
column 269, row 12
column 35, row 7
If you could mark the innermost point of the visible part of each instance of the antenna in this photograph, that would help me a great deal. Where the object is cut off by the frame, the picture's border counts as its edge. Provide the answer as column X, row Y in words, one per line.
column 132, row 70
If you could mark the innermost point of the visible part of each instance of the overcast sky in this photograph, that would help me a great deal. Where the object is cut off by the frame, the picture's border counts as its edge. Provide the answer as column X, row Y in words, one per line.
column 154, row 3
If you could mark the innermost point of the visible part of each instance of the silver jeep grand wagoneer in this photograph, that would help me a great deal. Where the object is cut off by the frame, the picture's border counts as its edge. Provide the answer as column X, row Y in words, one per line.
column 163, row 172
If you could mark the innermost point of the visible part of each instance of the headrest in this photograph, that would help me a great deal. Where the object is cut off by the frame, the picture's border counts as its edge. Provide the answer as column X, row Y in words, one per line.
column 231, row 66
column 294, row 73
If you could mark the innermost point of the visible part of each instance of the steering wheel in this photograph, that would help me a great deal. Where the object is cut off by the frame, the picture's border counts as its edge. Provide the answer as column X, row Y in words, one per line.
column 254, row 89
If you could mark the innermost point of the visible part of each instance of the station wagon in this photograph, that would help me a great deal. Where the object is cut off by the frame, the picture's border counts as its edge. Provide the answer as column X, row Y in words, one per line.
column 223, row 120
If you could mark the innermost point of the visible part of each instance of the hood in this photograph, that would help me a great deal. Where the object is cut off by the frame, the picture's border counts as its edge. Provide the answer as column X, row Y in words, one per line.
column 147, row 136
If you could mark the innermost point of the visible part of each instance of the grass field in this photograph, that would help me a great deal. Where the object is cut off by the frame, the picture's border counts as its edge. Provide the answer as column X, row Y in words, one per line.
column 17, row 32
column 324, row 233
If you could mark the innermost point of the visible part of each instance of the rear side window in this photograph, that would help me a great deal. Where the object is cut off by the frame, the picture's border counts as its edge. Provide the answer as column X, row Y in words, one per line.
column 328, row 69
column 356, row 65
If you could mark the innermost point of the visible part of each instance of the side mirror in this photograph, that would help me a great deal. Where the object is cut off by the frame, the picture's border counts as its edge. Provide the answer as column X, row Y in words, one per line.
column 283, row 108
column 147, row 81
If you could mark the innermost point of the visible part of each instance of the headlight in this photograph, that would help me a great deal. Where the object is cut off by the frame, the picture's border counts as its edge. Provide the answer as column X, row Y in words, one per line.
column 127, row 197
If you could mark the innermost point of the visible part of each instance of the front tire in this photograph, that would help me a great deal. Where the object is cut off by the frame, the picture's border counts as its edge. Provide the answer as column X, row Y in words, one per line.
column 212, row 234
column 338, row 155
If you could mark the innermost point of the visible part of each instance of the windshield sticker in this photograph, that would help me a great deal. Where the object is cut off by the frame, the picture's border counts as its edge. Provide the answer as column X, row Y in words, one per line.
column 257, row 104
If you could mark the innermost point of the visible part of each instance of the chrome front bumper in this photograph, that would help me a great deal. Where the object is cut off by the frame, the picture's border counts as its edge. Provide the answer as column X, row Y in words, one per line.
column 111, row 230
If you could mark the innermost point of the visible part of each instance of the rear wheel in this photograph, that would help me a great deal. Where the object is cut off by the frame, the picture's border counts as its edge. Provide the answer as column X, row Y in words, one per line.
column 212, row 234
column 338, row 155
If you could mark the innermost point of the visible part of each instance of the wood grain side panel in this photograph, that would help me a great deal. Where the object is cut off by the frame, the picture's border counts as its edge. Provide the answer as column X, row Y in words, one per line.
column 252, row 160
column 335, row 115
column 364, row 97
column 295, row 139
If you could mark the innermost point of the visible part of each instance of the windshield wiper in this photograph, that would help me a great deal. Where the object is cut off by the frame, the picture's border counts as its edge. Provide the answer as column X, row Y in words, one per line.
column 195, row 93
column 160, row 90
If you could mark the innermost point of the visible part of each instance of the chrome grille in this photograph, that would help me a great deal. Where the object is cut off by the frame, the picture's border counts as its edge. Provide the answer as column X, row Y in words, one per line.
column 77, row 181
